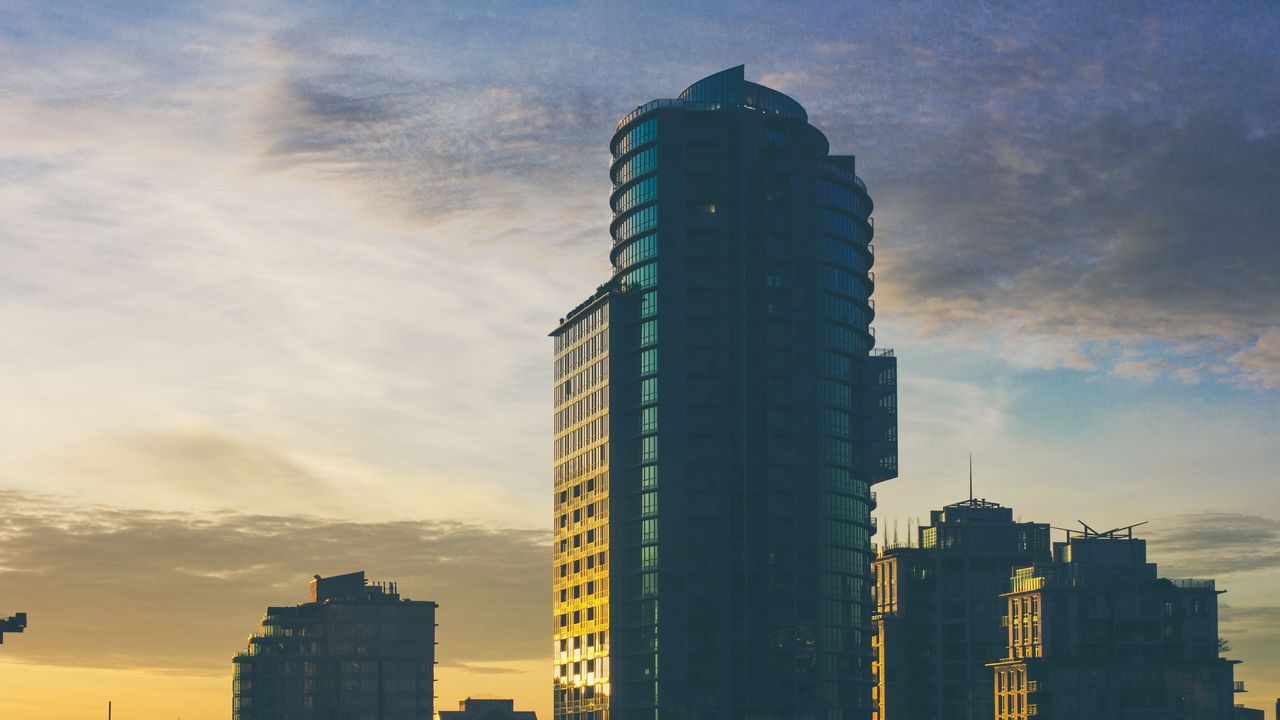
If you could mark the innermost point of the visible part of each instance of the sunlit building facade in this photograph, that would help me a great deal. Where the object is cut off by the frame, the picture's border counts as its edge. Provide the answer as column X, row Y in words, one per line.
column 356, row 650
column 1096, row 635
column 720, row 418
column 939, row 603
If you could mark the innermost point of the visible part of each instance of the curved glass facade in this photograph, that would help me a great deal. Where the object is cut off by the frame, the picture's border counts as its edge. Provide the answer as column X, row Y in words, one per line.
column 748, row 416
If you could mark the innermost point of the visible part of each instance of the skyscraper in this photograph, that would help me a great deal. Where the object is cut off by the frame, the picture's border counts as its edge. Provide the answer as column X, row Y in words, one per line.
column 356, row 650
column 938, row 610
column 720, row 417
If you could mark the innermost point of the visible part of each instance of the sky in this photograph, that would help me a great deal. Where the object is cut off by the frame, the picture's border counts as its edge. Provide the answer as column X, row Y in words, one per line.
column 275, row 274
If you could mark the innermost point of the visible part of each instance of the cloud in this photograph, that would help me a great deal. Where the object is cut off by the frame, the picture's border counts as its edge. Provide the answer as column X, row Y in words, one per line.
column 428, row 148
column 114, row 587
column 1123, row 231
column 1261, row 363
column 1213, row 544
column 1252, row 620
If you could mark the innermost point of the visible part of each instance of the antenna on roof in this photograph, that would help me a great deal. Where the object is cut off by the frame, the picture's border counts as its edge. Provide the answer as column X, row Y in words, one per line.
column 970, row 476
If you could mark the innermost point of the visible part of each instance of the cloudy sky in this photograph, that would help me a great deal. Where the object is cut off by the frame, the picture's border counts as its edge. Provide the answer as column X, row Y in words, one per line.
column 274, row 274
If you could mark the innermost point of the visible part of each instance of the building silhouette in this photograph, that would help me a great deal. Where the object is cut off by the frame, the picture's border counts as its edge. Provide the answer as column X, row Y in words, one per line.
column 1096, row 635
column 487, row 709
column 938, row 610
column 355, row 650
column 15, row 623
column 1243, row 713
column 720, row 418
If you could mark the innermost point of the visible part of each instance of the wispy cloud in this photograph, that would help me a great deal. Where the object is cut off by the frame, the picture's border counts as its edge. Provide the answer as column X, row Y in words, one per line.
column 108, row 587
column 1212, row 543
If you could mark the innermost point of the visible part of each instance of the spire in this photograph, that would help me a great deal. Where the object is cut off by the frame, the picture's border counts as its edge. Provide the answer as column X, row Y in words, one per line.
column 970, row 476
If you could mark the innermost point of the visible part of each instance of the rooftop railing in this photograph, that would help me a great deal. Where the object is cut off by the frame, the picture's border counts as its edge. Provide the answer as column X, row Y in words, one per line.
column 667, row 103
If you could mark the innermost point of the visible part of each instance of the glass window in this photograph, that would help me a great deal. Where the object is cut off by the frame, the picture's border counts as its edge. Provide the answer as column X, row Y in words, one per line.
column 649, row 419
column 649, row 332
column 638, row 222
column 649, row 448
column 640, row 249
column 643, row 276
column 836, row 393
column 649, row 304
column 649, row 476
column 649, row 390
column 645, row 132
column 649, row 556
column 649, row 583
column 649, row 361
column 649, row 530
column 638, row 194
column 642, row 162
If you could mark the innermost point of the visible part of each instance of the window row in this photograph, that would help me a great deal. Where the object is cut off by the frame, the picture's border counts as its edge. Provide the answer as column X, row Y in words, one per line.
column 842, row 281
column 584, row 326
column 841, row 253
column 845, row 506
column 585, row 436
column 844, row 480
column 584, row 354
column 566, row 569
column 577, row 616
column 590, row 640
column 847, row 560
column 842, row 197
column 844, row 338
column 586, row 378
column 642, row 134
column 844, row 310
column 579, row 515
column 639, row 250
column 638, row 194
column 582, row 408
column 583, row 538
column 579, row 465
column 841, row 225
column 564, row 496
column 837, row 393
column 645, row 218
column 645, row 161
column 643, row 276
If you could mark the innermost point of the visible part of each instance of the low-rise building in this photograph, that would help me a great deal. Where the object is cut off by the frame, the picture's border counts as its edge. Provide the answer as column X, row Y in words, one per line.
column 487, row 709
column 1097, row 635
column 355, row 650
column 936, row 617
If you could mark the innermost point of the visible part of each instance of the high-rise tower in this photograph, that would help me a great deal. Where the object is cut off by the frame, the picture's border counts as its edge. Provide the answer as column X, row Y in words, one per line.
column 720, row 417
